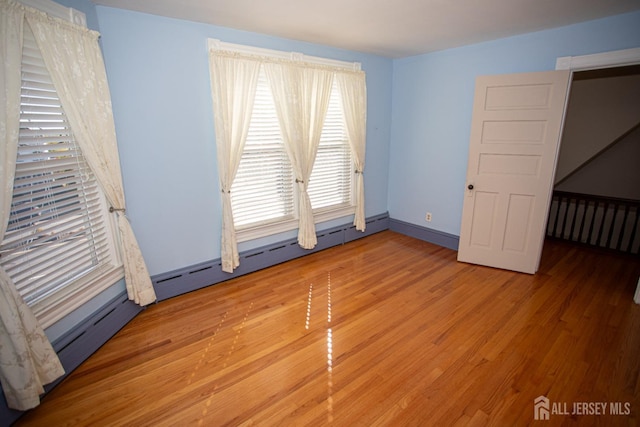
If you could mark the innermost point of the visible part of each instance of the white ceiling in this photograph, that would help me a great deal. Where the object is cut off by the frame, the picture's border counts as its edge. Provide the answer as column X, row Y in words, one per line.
column 390, row 28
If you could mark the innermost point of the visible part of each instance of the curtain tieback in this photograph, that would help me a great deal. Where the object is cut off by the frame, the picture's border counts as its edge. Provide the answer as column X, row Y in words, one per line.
column 299, row 181
column 359, row 171
column 225, row 191
column 112, row 209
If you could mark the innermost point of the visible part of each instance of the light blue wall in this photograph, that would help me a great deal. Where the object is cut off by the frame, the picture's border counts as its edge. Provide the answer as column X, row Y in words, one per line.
column 432, row 107
column 159, row 79
column 416, row 140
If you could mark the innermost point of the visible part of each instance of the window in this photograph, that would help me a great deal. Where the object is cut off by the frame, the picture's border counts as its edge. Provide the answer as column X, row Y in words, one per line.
column 59, row 244
column 263, row 198
column 262, row 192
column 331, row 179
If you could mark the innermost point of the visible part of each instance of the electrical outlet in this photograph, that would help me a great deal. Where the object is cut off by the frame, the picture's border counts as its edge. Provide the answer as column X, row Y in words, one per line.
column 428, row 217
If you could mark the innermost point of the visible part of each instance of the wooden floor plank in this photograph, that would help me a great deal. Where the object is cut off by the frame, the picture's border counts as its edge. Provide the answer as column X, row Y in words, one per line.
column 383, row 331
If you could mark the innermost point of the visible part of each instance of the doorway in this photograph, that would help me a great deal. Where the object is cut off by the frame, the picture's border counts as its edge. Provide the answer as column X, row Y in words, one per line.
column 596, row 197
column 488, row 250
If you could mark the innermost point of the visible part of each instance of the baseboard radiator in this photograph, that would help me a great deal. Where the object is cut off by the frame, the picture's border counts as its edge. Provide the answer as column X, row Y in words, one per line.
column 603, row 222
column 177, row 282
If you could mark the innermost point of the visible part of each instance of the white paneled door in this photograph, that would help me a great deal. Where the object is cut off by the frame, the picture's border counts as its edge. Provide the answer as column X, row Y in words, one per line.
column 515, row 135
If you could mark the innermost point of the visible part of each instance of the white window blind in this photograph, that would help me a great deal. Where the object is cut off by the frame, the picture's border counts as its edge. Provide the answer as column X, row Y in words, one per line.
column 331, row 178
column 263, row 190
column 58, row 241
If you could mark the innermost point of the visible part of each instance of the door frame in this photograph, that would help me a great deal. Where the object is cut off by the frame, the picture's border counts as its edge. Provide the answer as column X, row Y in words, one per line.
column 615, row 58
column 609, row 59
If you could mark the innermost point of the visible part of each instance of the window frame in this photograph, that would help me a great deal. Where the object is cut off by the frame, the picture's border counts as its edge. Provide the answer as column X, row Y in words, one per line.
column 251, row 232
column 74, row 292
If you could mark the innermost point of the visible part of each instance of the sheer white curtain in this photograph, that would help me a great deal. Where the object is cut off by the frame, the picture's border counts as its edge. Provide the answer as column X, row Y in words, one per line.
column 301, row 94
column 73, row 57
column 233, row 86
column 354, row 102
column 27, row 359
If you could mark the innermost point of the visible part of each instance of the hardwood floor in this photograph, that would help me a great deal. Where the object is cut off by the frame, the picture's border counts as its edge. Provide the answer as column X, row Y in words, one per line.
column 386, row 330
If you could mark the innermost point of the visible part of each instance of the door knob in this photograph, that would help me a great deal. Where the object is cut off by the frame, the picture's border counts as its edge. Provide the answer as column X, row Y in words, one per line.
column 470, row 186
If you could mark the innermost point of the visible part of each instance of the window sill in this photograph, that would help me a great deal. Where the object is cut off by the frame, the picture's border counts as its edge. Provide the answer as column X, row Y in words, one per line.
column 319, row 216
column 50, row 311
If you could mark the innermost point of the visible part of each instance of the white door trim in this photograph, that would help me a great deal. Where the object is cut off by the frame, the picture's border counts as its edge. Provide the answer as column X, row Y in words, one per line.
column 616, row 58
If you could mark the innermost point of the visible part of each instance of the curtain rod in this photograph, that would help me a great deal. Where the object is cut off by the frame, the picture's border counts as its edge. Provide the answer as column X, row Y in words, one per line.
column 215, row 44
